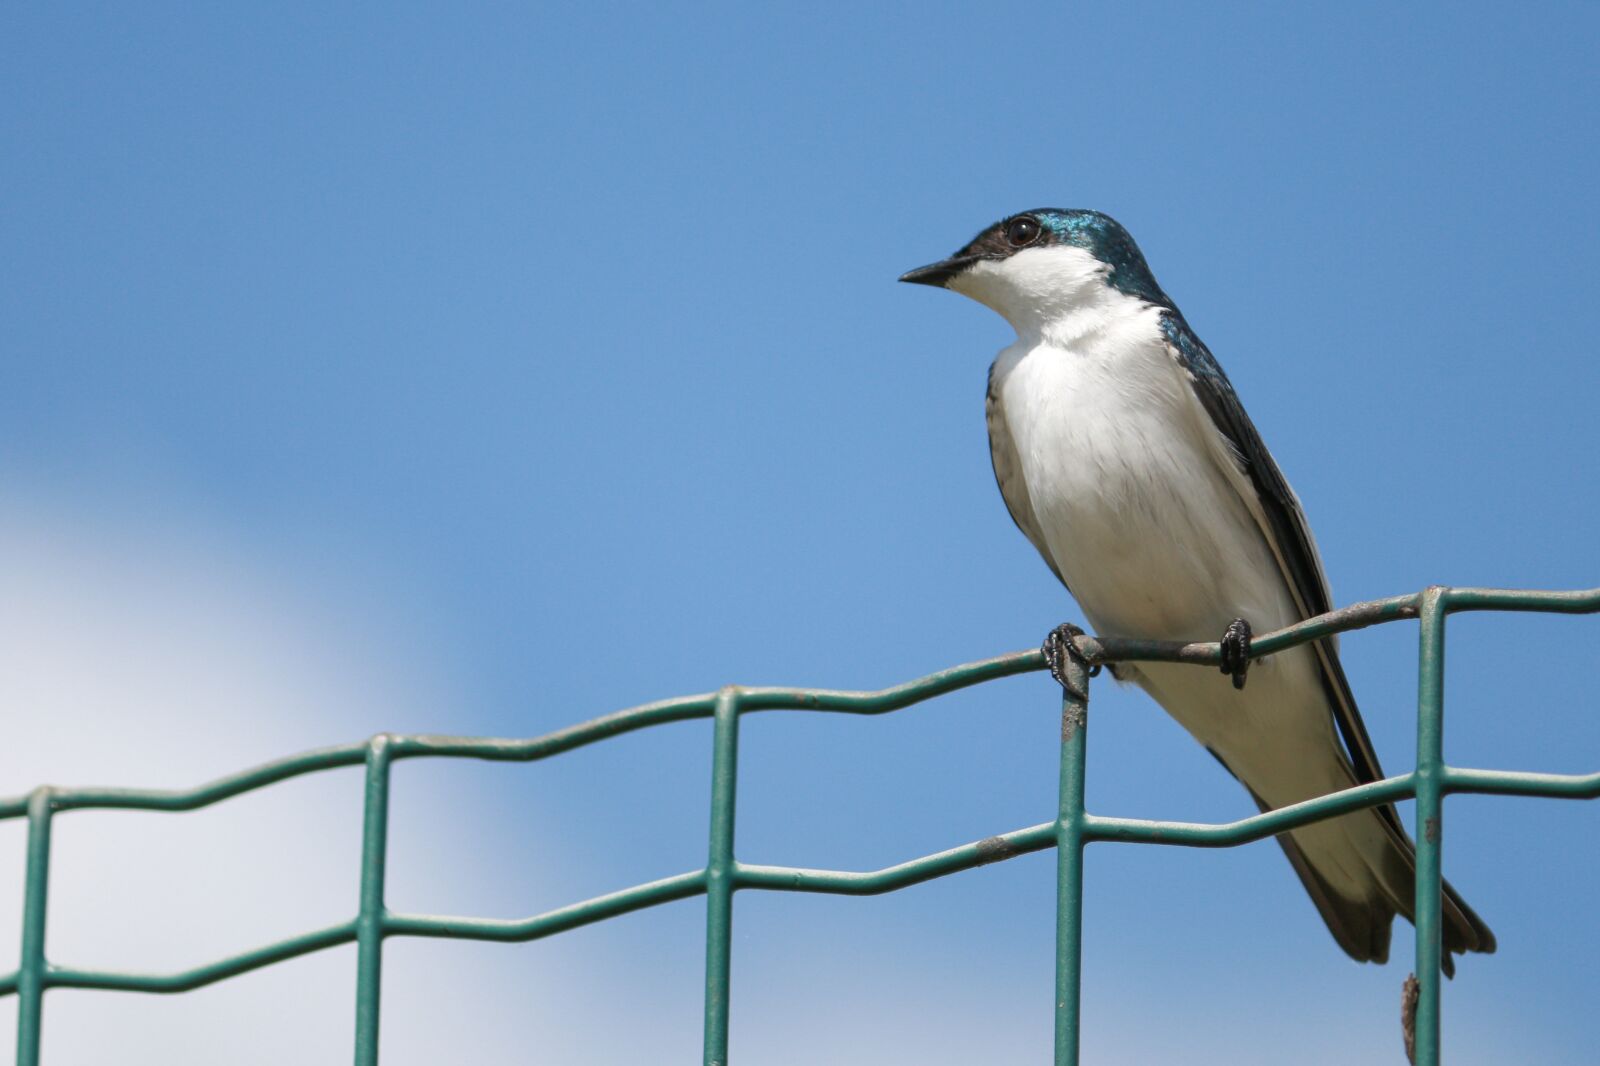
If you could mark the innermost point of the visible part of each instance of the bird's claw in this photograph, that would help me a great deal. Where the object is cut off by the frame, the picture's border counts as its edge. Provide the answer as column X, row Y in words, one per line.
column 1236, row 651
column 1058, row 647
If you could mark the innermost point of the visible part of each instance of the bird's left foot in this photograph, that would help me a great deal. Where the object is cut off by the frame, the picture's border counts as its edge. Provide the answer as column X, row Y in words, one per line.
column 1236, row 651
column 1058, row 648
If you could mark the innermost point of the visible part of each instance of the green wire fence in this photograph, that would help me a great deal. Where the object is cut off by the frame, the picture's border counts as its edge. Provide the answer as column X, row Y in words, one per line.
column 1071, row 829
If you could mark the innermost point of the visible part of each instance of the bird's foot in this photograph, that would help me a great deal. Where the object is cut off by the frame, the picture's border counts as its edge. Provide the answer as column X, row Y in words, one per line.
column 1236, row 651
column 1058, row 647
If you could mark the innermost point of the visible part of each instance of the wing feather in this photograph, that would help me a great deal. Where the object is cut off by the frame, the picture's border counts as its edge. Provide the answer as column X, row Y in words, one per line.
column 1283, row 524
column 1008, row 475
column 1277, row 510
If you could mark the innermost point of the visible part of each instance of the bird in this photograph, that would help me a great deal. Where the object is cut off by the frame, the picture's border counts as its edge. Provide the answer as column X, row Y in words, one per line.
column 1124, row 455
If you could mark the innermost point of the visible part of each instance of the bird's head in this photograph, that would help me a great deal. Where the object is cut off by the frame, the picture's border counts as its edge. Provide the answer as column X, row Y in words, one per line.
column 1042, row 265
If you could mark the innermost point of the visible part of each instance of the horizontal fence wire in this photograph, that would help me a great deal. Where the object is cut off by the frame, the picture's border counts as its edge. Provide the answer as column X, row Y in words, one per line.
column 1069, row 832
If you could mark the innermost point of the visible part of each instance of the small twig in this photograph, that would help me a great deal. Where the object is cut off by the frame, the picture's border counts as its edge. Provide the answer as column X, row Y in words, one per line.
column 1410, row 992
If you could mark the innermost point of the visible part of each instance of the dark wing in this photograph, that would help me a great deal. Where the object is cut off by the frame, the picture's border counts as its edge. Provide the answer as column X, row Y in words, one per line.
column 1289, row 537
column 1288, row 534
column 1008, row 475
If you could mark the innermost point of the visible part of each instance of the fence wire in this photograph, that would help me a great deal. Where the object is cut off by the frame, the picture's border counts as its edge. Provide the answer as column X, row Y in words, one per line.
column 1072, row 828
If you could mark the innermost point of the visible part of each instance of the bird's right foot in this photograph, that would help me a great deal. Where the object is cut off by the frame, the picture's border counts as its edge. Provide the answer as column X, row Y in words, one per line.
column 1058, row 647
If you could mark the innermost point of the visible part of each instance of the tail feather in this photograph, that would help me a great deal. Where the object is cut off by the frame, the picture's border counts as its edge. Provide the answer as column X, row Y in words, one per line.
column 1395, row 871
column 1362, row 927
column 1463, row 930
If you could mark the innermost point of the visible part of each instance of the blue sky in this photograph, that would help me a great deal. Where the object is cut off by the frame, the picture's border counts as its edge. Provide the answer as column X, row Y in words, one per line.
column 420, row 369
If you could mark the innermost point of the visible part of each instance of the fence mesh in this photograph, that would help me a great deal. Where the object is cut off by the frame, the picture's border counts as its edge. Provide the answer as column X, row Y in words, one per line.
column 1071, row 829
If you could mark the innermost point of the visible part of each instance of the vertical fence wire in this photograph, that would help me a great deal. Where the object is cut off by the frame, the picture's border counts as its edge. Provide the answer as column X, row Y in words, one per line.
column 1069, row 860
column 1430, row 821
column 370, row 920
column 720, row 874
column 31, row 969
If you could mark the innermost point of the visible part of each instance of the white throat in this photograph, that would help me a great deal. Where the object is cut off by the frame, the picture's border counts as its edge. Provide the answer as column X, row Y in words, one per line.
column 1058, row 294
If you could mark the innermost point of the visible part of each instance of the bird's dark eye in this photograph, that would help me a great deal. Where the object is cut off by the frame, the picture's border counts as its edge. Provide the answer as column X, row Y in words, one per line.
column 1023, row 231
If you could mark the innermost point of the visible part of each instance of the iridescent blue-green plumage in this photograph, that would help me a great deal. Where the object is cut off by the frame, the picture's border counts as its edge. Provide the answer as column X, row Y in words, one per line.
column 1104, row 238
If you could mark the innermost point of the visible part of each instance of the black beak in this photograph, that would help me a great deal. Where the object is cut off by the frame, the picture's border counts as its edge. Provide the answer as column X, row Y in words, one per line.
column 939, row 274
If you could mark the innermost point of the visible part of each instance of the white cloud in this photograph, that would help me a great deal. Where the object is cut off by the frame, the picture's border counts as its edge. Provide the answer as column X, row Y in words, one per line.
column 149, row 654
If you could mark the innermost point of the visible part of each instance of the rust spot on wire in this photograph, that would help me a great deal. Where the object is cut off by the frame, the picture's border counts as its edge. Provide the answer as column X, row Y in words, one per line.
column 993, row 849
column 1430, row 829
column 1073, row 717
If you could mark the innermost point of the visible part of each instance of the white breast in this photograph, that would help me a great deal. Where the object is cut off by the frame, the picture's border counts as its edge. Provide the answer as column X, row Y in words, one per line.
column 1144, row 525
column 1141, row 506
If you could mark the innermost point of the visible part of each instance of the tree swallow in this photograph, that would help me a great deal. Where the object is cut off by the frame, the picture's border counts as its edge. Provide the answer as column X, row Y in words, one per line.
column 1124, row 455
